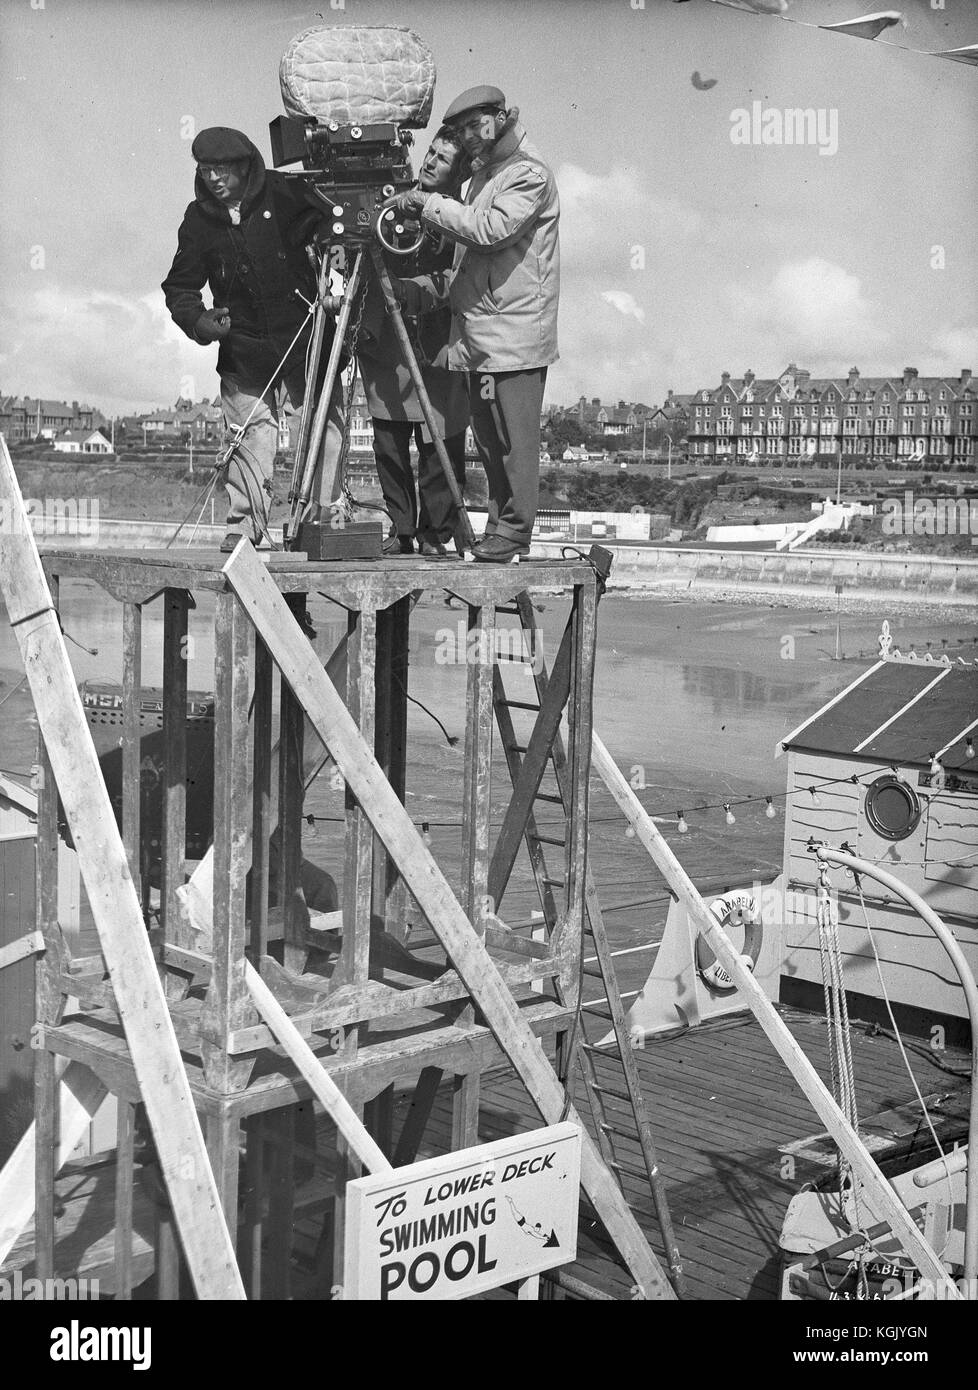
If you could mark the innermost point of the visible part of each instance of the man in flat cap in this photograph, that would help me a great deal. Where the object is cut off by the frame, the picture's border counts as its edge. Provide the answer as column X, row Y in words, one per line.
column 235, row 237
column 429, row 514
column 504, row 290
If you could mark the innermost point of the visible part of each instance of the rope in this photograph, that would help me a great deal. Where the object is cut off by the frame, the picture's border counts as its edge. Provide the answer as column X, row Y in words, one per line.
column 899, row 1042
column 13, row 691
column 224, row 459
column 840, row 1058
column 201, row 494
column 210, row 487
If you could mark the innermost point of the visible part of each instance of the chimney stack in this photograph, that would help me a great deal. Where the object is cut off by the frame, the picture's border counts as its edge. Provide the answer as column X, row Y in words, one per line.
column 853, row 376
column 965, row 376
column 909, row 376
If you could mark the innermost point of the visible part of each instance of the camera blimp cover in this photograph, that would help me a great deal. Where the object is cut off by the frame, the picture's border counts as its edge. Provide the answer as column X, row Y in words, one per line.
column 359, row 76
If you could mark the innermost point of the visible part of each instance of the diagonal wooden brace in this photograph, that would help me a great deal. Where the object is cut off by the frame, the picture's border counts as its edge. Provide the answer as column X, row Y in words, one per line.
column 533, row 767
column 334, row 725
column 115, row 905
column 877, row 1193
column 80, row 1093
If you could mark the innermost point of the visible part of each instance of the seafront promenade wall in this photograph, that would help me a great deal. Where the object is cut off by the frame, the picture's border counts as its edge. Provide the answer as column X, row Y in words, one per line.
column 650, row 567
column 865, row 574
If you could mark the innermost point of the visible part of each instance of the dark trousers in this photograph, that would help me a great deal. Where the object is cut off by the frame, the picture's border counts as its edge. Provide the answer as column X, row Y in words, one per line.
column 505, row 410
column 437, row 516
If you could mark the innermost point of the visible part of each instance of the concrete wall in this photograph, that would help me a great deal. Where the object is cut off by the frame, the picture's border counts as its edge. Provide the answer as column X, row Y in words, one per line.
column 941, row 580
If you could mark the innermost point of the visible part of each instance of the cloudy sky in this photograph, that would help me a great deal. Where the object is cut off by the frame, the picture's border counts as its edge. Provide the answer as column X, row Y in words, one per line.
column 684, row 254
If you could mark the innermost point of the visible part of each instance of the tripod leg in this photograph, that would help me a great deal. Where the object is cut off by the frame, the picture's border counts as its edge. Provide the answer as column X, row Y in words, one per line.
column 403, row 338
column 305, row 468
column 312, row 372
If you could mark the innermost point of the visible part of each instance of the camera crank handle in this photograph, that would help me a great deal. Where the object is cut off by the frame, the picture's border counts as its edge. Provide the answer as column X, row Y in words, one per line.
column 387, row 219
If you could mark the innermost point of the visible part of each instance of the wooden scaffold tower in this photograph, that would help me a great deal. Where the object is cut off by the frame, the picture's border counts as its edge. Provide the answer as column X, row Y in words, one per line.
column 214, row 1022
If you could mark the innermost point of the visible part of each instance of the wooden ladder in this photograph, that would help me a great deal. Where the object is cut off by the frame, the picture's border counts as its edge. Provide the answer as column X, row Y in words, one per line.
column 528, row 763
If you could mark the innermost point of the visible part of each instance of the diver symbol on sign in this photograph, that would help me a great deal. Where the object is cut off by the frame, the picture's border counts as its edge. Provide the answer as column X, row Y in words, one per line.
column 536, row 1232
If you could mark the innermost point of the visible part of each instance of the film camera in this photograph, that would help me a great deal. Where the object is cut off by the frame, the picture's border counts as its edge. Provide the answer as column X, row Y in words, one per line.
column 353, row 97
column 351, row 172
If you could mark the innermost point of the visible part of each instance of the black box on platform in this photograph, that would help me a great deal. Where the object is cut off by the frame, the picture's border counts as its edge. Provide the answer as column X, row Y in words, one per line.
column 355, row 540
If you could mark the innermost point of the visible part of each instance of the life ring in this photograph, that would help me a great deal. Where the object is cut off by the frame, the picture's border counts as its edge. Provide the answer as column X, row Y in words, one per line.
column 741, row 909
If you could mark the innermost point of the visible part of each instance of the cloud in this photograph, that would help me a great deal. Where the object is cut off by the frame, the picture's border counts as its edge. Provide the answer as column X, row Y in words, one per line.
column 116, row 352
column 609, row 222
column 814, row 308
column 624, row 303
column 619, row 241
column 948, row 350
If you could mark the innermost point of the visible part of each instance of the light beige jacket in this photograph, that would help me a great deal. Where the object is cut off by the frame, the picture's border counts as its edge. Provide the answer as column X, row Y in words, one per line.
column 506, row 272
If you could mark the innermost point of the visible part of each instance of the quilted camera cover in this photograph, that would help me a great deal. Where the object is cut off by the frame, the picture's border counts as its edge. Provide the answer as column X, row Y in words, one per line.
column 356, row 76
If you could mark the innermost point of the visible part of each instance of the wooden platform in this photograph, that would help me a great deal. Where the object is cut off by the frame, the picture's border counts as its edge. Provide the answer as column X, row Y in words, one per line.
column 147, row 572
column 723, row 1106
column 725, row 1110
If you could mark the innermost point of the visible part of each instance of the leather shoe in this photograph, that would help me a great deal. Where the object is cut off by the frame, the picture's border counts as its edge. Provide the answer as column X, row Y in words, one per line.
column 497, row 550
column 232, row 538
column 398, row 545
column 434, row 550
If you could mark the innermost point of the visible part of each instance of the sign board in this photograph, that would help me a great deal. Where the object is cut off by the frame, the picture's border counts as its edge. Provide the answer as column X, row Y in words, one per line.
column 450, row 1227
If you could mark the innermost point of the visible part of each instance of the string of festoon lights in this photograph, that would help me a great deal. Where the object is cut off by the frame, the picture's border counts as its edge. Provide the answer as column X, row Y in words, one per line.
column 808, row 794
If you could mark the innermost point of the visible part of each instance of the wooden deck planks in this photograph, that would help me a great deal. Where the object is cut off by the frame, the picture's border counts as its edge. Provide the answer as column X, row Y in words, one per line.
column 721, row 1162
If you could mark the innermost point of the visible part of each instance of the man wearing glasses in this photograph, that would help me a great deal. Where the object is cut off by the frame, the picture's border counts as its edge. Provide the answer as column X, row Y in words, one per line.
column 504, row 292
column 235, row 238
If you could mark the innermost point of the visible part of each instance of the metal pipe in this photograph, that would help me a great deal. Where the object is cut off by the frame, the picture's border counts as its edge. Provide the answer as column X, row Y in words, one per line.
column 949, row 942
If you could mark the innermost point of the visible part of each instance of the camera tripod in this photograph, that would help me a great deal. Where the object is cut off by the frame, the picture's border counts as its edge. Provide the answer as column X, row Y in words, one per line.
column 368, row 262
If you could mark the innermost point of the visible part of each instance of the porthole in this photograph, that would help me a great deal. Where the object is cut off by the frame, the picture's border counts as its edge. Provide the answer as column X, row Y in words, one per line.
column 892, row 808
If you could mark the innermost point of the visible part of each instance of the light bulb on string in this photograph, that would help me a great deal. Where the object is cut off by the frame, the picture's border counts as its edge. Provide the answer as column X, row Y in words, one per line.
column 770, row 812
column 425, row 833
column 816, row 799
column 681, row 825
column 969, row 748
column 729, row 816
column 629, row 832
column 311, row 823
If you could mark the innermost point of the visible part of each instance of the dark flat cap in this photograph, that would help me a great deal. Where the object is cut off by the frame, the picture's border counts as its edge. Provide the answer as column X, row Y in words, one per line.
column 474, row 97
column 219, row 142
